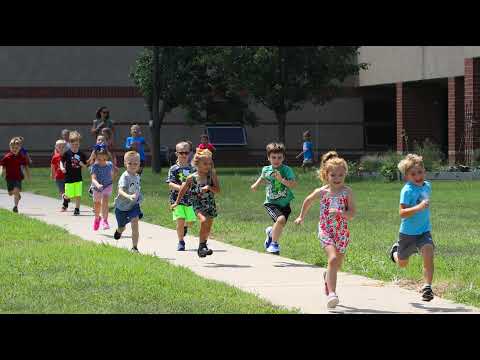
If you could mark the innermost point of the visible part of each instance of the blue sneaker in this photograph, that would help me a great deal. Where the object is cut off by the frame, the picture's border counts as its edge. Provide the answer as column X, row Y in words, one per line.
column 274, row 248
column 268, row 239
column 181, row 246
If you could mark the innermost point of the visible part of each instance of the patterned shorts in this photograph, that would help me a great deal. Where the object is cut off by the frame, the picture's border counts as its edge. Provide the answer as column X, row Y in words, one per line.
column 339, row 242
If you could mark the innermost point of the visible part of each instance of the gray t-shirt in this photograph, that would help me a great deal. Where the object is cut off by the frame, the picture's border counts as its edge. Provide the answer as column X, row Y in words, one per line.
column 131, row 185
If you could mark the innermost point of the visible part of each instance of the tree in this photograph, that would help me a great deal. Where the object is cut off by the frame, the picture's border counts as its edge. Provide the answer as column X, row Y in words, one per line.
column 183, row 76
column 285, row 78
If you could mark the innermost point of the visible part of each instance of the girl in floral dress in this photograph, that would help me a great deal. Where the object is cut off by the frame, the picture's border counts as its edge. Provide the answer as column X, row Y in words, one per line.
column 337, row 206
column 203, row 184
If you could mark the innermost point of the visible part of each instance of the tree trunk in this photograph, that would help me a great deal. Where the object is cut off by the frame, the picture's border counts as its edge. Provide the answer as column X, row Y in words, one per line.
column 155, row 151
column 282, row 120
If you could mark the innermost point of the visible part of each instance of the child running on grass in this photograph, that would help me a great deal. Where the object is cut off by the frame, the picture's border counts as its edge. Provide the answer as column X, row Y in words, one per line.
column 415, row 221
column 203, row 184
column 337, row 207
column 57, row 174
column 307, row 151
column 102, row 179
column 71, row 165
column 136, row 142
column 129, row 198
column 11, row 168
column 280, row 179
column 183, row 214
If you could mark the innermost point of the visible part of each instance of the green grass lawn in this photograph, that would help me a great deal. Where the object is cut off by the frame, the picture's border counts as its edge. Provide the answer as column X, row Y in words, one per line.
column 242, row 220
column 46, row 270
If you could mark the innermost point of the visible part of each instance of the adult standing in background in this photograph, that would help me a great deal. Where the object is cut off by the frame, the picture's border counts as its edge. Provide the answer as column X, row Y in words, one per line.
column 102, row 120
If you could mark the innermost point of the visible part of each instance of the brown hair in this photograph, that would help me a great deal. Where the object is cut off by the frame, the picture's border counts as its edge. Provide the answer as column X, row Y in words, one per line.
column 74, row 136
column 275, row 148
column 410, row 161
column 331, row 160
column 200, row 155
column 307, row 134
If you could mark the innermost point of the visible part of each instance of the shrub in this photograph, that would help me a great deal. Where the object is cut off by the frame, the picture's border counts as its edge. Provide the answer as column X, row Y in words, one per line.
column 389, row 169
column 431, row 153
column 371, row 163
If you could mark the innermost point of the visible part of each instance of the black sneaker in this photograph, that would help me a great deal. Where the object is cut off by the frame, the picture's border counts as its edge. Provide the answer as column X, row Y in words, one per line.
column 427, row 293
column 134, row 250
column 15, row 209
column 203, row 251
column 117, row 235
column 76, row 212
column 393, row 250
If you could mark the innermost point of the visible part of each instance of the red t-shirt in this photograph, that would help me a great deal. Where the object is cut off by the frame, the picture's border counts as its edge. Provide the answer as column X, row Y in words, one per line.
column 58, row 174
column 12, row 164
column 207, row 146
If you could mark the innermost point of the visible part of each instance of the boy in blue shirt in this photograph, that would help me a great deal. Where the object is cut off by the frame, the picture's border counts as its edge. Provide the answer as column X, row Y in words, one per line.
column 136, row 142
column 415, row 225
column 307, row 151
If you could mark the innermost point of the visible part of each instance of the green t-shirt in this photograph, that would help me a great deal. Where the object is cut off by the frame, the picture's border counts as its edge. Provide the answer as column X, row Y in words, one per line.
column 276, row 192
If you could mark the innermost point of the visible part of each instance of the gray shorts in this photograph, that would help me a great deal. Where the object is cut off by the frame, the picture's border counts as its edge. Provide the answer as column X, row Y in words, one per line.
column 410, row 244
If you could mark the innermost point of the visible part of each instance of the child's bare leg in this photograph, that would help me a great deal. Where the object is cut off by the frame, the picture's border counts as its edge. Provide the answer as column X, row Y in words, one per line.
column 135, row 233
column 16, row 196
column 428, row 267
column 105, row 207
column 97, row 205
column 277, row 228
column 205, row 227
column 180, row 229
column 400, row 262
column 335, row 260
column 77, row 202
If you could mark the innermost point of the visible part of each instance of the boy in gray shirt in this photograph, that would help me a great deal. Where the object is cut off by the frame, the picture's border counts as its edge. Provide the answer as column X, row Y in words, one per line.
column 127, row 202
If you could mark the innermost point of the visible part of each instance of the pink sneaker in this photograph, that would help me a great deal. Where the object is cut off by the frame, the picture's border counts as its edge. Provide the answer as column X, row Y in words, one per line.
column 105, row 225
column 96, row 224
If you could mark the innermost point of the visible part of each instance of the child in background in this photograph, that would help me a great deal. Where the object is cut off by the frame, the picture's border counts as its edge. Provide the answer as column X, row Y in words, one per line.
column 108, row 134
column 57, row 174
column 183, row 214
column 102, row 179
column 23, row 151
column 307, row 151
column 101, row 140
column 203, row 184
column 71, row 165
column 337, row 207
column 415, row 228
column 280, row 179
column 205, row 144
column 190, row 153
column 136, row 142
column 129, row 198
column 11, row 168
column 66, row 138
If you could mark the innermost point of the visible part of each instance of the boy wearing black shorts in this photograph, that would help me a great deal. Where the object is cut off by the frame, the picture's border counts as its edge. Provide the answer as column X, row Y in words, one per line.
column 280, row 179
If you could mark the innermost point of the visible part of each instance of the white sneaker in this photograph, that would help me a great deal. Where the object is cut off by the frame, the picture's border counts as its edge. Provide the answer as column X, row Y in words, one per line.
column 332, row 301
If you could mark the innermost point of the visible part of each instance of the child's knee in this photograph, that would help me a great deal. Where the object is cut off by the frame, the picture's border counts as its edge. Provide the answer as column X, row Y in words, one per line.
column 427, row 250
column 402, row 263
column 333, row 261
column 281, row 220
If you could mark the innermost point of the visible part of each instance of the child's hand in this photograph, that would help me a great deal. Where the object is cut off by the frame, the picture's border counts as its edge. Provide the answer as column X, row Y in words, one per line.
column 100, row 187
column 424, row 204
column 277, row 176
column 64, row 170
column 206, row 188
column 253, row 187
column 173, row 206
column 133, row 197
column 299, row 221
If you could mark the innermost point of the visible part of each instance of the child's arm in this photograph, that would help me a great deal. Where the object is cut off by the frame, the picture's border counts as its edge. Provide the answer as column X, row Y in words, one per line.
column 28, row 176
column 174, row 186
column 1, row 171
column 259, row 181
column 95, row 182
column 52, row 172
column 62, row 167
column 288, row 183
column 406, row 212
column 307, row 204
column 352, row 209
column 183, row 190
column 91, row 159
column 122, row 192
column 303, row 152
column 215, row 188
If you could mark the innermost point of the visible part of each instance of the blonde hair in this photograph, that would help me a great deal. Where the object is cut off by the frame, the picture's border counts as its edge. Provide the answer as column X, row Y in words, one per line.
column 135, row 126
column 60, row 142
column 329, row 161
column 201, row 155
column 15, row 141
column 409, row 162
column 130, row 154
column 74, row 136
column 182, row 144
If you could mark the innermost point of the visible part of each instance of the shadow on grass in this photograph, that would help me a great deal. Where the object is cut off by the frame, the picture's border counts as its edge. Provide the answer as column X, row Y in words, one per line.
column 287, row 264
column 353, row 310
column 33, row 214
column 215, row 265
column 440, row 309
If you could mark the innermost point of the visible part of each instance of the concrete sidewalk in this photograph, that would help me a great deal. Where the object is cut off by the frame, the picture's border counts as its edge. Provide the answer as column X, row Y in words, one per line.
column 280, row 280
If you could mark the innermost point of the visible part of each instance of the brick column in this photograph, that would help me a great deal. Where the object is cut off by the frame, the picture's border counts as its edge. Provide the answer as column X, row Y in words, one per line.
column 455, row 119
column 472, row 94
column 399, row 94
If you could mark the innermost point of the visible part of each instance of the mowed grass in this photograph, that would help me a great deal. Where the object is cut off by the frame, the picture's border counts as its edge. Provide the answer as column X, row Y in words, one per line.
column 46, row 270
column 242, row 220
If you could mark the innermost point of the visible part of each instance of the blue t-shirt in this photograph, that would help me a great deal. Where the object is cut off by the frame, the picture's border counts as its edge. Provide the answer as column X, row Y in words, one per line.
column 103, row 173
column 308, row 150
column 131, row 141
column 412, row 195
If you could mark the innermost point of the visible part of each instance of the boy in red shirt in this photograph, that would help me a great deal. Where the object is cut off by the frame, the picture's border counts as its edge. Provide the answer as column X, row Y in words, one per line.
column 56, row 172
column 205, row 144
column 11, row 167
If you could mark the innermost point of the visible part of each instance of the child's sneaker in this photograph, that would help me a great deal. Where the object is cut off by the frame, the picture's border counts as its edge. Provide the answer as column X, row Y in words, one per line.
column 274, row 248
column 117, row 235
column 63, row 209
column 332, row 301
column 96, row 223
column 427, row 293
column 105, row 224
column 203, row 250
column 393, row 250
column 76, row 212
column 134, row 250
column 268, row 239
column 15, row 209
column 181, row 246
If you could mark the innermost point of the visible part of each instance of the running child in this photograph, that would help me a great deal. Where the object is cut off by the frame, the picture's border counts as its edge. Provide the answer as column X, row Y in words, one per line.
column 108, row 134
column 203, row 185
column 307, row 151
column 280, row 179
column 415, row 227
column 337, row 207
column 101, row 141
column 205, row 144
column 129, row 198
column 183, row 214
column 23, row 151
column 73, row 160
column 102, row 180
column 11, row 168
column 136, row 142
column 57, row 174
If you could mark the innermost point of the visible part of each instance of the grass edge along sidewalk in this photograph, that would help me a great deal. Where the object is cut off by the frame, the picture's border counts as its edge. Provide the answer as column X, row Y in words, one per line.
column 48, row 270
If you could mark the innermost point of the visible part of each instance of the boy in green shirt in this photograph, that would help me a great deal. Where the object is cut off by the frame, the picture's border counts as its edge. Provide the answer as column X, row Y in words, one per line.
column 279, row 179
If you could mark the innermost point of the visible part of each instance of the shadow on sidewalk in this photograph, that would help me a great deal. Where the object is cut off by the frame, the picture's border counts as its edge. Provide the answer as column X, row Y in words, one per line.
column 214, row 251
column 111, row 236
column 215, row 265
column 287, row 264
column 440, row 309
column 352, row 310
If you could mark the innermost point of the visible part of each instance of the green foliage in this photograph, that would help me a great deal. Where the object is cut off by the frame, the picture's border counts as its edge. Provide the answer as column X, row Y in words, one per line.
column 431, row 153
column 389, row 169
column 371, row 163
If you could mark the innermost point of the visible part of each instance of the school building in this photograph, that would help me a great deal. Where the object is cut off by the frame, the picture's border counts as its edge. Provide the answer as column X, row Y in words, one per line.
column 413, row 90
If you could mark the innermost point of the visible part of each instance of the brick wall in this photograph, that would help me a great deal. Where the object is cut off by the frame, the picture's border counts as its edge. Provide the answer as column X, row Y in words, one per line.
column 456, row 119
column 472, row 94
